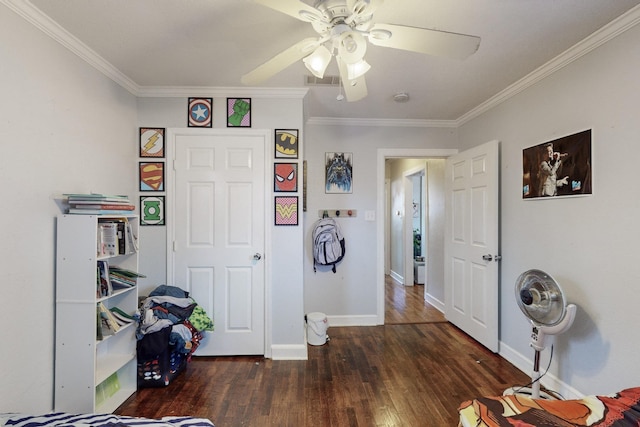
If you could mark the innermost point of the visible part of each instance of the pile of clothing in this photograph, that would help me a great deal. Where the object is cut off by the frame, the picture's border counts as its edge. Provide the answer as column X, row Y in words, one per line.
column 169, row 317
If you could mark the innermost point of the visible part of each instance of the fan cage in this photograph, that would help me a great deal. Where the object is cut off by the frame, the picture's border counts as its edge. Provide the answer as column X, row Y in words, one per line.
column 540, row 298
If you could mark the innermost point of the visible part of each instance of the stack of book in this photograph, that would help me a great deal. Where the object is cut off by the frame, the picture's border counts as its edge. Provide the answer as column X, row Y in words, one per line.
column 111, row 278
column 109, row 324
column 115, row 237
column 111, row 320
column 122, row 278
column 121, row 317
column 99, row 204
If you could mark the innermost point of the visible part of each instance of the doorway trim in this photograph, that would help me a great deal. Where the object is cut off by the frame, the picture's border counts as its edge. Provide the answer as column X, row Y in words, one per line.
column 382, row 155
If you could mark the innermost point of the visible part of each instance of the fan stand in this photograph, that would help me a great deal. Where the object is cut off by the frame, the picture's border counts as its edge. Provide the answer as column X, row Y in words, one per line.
column 538, row 336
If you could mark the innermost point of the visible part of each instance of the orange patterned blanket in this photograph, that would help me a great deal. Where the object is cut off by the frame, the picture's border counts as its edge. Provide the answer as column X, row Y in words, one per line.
column 619, row 410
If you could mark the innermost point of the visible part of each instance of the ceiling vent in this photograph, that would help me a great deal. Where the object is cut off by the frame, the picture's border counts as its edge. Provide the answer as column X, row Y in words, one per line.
column 325, row 81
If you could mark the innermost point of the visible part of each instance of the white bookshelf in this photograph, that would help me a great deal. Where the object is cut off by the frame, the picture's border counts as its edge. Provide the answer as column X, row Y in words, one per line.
column 83, row 363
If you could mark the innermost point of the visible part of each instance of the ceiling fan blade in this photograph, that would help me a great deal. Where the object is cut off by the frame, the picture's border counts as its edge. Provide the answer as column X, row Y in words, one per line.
column 280, row 61
column 354, row 90
column 423, row 40
column 294, row 8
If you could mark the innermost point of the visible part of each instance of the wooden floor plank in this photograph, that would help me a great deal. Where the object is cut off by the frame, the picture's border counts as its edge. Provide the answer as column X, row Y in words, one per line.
column 411, row 374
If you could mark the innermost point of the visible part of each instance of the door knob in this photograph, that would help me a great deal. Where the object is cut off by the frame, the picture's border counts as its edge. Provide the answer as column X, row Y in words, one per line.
column 257, row 257
column 487, row 257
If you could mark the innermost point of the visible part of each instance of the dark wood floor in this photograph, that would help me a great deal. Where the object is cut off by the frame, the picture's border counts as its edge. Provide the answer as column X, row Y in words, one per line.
column 406, row 304
column 413, row 374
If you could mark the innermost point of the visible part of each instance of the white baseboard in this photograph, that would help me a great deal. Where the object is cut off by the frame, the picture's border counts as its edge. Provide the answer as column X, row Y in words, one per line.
column 397, row 277
column 550, row 381
column 435, row 302
column 289, row 352
column 364, row 320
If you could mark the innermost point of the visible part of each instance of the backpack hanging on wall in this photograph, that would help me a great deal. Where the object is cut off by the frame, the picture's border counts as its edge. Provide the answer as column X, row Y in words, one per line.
column 328, row 243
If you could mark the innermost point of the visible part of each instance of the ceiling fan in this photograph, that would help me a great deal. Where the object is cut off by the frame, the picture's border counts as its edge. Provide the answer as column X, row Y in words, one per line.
column 344, row 27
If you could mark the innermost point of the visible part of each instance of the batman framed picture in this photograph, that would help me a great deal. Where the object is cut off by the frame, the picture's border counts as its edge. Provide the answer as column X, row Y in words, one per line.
column 286, row 143
column 338, row 173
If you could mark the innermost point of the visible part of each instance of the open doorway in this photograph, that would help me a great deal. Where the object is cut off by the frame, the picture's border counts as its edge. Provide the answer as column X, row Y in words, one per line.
column 396, row 258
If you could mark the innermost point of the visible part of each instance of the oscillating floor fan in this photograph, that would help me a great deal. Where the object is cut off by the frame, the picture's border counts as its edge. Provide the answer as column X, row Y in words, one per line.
column 541, row 299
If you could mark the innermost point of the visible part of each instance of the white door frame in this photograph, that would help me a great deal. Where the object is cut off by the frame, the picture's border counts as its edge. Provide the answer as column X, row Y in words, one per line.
column 382, row 155
column 268, row 209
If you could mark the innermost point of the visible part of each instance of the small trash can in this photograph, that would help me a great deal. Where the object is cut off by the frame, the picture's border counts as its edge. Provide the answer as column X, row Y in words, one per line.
column 317, row 325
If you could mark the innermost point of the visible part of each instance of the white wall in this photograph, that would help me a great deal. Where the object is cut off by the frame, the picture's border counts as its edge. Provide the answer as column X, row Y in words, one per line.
column 64, row 128
column 434, row 286
column 350, row 296
column 397, row 215
column 589, row 244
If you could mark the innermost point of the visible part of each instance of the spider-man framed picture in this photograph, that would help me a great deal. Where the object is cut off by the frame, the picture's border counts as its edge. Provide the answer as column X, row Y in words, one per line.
column 285, row 177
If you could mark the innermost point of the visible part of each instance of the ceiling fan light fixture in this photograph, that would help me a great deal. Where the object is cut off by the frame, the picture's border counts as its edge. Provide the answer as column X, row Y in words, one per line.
column 352, row 46
column 318, row 61
column 357, row 69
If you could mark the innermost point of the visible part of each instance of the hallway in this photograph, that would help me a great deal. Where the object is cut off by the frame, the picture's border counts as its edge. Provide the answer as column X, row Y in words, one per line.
column 406, row 305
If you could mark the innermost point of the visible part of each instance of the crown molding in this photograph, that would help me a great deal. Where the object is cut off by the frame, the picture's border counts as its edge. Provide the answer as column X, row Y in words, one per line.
column 34, row 16
column 343, row 121
column 595, row 40
column 237, row 92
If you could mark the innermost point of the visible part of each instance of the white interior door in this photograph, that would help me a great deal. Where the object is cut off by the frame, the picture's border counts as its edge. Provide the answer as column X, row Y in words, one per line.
column 471, row 242
column 219, row 234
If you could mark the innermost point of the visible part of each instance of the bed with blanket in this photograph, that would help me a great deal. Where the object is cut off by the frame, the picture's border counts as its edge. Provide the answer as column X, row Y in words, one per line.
column 621, row 409
column 63, row 419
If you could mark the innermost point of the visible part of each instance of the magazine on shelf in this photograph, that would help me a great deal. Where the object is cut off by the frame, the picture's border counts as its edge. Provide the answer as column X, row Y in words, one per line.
column 108, row 238
column 116, row 237
column 109, row 317
column 122, row 317
column 104, row 287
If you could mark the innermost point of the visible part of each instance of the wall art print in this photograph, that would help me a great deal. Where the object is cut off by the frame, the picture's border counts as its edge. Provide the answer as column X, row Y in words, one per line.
column 286, row 210
column 152, row 142
column 338, row 173
column 152, row 210
column 286, row 143
column 561, row 167
column 239, row 112
column 200, row 113
column 285, row 177
column 151, row 176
